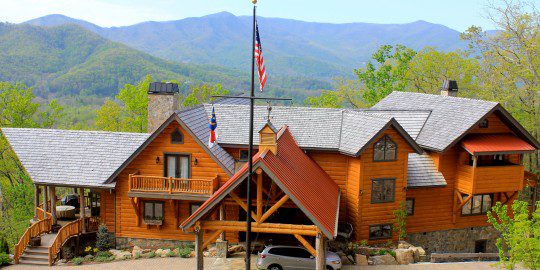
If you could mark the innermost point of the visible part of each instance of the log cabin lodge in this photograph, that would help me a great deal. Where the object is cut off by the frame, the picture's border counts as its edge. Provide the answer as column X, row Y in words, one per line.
column 446, row 159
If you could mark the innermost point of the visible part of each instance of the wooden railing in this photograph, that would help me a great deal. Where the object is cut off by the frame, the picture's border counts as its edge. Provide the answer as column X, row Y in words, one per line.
column 141, row 183
column 67, row 231
column 43, row 225
column 489, row 179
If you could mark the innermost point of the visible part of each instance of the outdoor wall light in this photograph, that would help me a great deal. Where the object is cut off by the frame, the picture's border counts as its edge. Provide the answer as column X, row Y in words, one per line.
column 195, row 162
column 157, row 160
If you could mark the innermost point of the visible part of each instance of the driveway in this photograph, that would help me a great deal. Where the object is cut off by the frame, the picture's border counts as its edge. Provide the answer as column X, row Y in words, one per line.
column 238, row 263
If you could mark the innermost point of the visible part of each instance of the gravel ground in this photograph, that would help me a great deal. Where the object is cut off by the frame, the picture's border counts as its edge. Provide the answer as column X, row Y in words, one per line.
column 237, row 263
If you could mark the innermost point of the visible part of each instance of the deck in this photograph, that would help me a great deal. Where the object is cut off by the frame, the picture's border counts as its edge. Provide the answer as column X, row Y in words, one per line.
column 158, row 187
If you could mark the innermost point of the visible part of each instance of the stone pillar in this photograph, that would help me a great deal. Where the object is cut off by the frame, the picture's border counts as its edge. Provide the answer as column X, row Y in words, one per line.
column 36, row 202
column 320, row 259
column 198, row 249
column 52, row 195
column 82, row 211
column 45, row 199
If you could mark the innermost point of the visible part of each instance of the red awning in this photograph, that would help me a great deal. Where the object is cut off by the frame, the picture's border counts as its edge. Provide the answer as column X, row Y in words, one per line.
column 478, row 144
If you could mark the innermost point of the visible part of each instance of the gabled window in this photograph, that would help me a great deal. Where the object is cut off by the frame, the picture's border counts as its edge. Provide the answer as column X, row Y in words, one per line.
column 484, row 123
column 385, row 150
column 177, row 137
column 383, row 190
column 243, row 155
column 380, row 231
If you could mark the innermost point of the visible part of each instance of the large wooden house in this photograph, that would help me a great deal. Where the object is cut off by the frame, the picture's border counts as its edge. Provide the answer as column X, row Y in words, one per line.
column 447, row 159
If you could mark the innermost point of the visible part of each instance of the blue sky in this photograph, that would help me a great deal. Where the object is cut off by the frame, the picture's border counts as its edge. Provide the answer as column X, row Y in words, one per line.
column 457, row 14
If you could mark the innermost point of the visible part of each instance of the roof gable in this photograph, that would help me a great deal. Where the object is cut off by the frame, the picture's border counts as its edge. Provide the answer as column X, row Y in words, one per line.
column 296, row 174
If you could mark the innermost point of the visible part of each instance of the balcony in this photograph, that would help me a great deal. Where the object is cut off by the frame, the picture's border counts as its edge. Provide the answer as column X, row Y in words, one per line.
column 489, row 179
column 157, row 187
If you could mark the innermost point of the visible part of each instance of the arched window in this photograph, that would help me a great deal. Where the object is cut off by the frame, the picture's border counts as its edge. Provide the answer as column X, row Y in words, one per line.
column 385, row 150
column 177, row 137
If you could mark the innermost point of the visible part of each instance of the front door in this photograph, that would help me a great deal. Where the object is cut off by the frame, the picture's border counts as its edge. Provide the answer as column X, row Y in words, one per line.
column 176, row 166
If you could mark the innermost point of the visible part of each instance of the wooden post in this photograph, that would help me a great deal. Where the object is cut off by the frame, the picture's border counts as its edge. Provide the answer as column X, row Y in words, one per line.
column 52, row 195
column 320, row 259
column 36, row 202
column 223, row 236
column 45, row 200
column 198, row 248
column 259, row 195
column 475, row 161
column 82, row 211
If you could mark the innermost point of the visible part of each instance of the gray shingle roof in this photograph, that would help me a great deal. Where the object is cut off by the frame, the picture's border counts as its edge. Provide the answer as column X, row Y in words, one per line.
column 411, row 120
column 72, row 157
column 358, row 129
column 196, row 120
column 423, row 173
column 450, row 117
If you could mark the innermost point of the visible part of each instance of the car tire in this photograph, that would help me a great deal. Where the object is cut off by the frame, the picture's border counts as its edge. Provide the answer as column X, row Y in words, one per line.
column 328, row 267
column 275, row 267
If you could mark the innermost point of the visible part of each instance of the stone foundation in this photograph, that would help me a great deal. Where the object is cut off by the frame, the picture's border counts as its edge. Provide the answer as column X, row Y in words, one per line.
column 75, row 246
column 128, row 242
column 456, row 240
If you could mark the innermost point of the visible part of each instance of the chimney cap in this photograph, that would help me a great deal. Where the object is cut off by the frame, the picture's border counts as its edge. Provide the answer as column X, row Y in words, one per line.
column 163, row 88
column 449, row 85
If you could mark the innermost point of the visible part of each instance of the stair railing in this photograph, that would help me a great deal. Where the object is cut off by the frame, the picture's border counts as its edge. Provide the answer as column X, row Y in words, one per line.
column 40, row 227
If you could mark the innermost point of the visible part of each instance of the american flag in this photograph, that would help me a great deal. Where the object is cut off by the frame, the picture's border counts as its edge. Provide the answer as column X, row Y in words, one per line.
column 259, row 59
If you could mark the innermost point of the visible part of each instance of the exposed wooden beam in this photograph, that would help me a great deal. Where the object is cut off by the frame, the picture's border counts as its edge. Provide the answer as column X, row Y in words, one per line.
column 279, row 228
column 305, row 243
column 274, row 208
column 210, row 238
column 259, row 195
column 242, row 204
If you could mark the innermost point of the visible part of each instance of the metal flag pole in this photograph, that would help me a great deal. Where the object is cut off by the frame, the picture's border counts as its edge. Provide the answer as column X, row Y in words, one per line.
column 252, row 99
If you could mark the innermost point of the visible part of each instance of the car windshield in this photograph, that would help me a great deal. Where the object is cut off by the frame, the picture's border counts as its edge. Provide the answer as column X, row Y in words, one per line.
column 291, row 252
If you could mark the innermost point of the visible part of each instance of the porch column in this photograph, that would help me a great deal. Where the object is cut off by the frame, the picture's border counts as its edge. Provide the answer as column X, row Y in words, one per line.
column 320, row 259
column 52, row 195
column 45, row 199
column 198, row 248
column 223, row 236
column 82, row 211
column 36, row 201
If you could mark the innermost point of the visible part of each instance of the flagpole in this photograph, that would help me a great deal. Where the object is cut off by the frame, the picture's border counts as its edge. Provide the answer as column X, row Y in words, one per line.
column 250, row 150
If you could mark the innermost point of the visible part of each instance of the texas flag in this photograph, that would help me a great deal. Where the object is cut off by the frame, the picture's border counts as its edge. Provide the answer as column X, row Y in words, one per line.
column 212, row 126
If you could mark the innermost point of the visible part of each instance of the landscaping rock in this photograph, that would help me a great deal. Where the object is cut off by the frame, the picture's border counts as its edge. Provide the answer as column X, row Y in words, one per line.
column 403, row 245
column 404, row 256
column 419, row 254
column 120, row 254
column 236, row 249
column 162, row 252
column 361, row 259
column 137, row 251
column 88, row 257
column 385, row 259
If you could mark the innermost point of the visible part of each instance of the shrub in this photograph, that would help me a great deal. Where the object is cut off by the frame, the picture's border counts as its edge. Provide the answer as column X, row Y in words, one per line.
column 4, row 259
column 137, row 256
column 401, row 220
column 77, row 260
column 105, row 254
column 170, row 254
column 105, row 239
column 184, row 252
column 4, row 246
column 151, row 254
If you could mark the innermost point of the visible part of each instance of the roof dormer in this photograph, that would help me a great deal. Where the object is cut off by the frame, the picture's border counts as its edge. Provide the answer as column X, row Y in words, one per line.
column 268, row 138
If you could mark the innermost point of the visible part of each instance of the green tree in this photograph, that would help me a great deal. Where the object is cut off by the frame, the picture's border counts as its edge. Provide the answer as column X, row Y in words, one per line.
column 327, row 99
column 385, row 73
column 108, row 116
column 203, row 93
column 17, row 108
column 135, row 109
column 519, row 243
column 429, row 68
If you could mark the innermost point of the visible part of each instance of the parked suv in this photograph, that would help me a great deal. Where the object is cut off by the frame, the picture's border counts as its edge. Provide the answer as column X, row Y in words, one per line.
column 290, row 257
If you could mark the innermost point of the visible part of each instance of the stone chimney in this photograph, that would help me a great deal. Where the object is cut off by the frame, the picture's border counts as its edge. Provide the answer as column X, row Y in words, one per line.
column 162, row 102
column 449, row 88
column 268, row 138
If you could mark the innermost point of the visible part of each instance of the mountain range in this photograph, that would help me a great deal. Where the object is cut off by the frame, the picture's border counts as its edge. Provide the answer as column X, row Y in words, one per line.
column 290, row 47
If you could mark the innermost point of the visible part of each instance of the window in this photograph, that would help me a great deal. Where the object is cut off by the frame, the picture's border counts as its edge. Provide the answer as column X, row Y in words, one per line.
column 480, row 246
column 290, row 252
column 477, row 205
column 177, row 137
column 381, row 231
column 383, row 190
column 409, row 205
column 193, row 207
column 153, row 210
column 177, row 166
column 385, row 150
column 484, row 123
column 243, row 155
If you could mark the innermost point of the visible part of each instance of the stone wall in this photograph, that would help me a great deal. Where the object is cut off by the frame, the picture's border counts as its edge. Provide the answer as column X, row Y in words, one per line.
column 127, row 242
column 457, row 240
column 160, row 107
column 75, row 246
